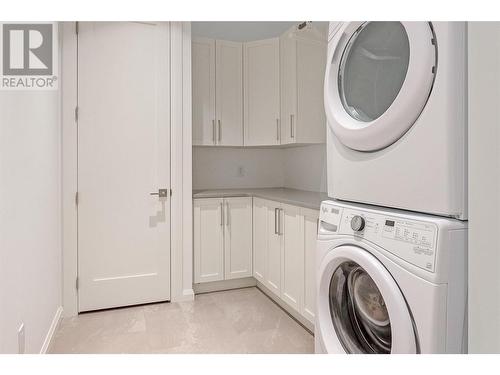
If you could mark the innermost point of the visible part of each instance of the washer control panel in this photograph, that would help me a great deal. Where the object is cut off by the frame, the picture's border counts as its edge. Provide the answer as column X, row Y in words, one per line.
column 410, row 239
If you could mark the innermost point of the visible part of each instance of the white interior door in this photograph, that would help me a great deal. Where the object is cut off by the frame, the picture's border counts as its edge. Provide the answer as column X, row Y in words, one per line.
column 229, row 93
column 123, row 156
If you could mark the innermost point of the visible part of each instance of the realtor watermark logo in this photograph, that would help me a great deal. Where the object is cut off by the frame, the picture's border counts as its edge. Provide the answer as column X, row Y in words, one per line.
column 29, row 59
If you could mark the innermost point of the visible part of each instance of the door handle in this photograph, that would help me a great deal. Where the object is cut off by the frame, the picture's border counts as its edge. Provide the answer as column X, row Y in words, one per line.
column 275, row 220
column 291, row 126
column 221, row 214
column 220, row 131
column 226, row 214
column 278, row 129
column 162, row 193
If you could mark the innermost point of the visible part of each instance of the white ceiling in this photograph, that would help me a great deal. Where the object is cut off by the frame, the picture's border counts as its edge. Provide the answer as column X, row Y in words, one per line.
column 245, row 31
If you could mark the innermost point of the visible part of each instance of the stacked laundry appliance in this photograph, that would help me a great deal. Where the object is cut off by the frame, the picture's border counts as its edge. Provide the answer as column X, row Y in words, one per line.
column 392, row 241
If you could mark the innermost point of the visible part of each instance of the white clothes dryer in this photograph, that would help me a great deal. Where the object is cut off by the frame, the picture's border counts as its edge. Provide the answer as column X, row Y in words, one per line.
column 396, row 102
column 390, row 281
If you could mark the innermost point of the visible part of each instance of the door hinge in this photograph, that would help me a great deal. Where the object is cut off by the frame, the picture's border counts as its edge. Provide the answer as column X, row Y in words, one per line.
column 76, row 27
column 76, row 113
column 77, row 283
column 77, row 198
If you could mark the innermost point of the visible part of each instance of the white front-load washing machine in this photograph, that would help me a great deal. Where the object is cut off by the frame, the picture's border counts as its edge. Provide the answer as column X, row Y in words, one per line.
column 396, row 102
column 390, row 281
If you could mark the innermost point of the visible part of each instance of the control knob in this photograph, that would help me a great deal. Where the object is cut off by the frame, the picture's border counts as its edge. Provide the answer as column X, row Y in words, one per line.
column 357, row 223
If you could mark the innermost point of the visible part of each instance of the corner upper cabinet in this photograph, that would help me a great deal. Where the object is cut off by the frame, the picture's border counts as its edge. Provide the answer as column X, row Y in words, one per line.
column 302, row 68
column 261, row 87
column 203, row 91
column 229, row 93
column 217, row 83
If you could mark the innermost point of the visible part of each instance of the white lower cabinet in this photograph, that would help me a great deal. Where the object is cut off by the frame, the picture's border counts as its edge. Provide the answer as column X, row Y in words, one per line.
column 274, row 243
column 292, row 255
column 308, row 307
column 222, row 238
column 208, row 240
column 237, row 237
column 284, row 247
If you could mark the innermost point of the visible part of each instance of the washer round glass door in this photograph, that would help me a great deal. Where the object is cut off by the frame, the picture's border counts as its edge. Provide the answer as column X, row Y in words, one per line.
column 360, row 307
column 358, row 310
column 378, row 79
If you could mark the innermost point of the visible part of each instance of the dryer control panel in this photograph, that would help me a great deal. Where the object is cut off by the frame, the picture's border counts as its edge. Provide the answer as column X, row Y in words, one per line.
column 409, row 239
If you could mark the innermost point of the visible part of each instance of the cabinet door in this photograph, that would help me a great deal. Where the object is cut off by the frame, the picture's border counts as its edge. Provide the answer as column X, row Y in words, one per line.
column 288, row 72
column 260, row 239
column 237, row 237
column 229, row 93
column 261, row 92
column 208, row 240
column 203, row 87
column 310, row 239
column 274, row 238
column 310, row 121
column 292, row 259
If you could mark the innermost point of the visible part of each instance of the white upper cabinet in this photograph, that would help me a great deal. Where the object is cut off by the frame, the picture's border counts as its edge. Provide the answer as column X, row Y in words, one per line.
column 229, row 93
column 261, row 87
column 203, row 87
column 237, row 237
column 302, row 67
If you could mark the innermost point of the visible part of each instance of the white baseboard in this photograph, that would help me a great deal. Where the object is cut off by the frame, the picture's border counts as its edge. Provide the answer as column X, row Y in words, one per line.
column 294, row 314
column 186, row 296
column 52, row 330
column 216, row 286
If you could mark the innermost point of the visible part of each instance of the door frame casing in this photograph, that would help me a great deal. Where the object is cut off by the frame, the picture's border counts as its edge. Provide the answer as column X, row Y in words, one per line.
column 181, row 249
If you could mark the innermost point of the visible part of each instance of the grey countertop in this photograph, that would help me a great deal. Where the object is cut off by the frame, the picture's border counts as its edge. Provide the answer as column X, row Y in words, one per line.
column 302, row 198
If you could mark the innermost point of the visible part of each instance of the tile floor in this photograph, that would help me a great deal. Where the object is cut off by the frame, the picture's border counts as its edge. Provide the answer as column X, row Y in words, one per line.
column 236, row 321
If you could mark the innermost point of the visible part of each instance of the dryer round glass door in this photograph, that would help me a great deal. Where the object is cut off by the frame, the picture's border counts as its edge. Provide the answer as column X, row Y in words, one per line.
column 378, row 79
column 360, row 308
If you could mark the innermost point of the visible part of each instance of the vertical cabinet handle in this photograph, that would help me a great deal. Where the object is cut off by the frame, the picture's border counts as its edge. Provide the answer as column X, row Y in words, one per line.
column 278, row 129
column 280, row 224
column 221, row 214
column 226, row 214
column 213, row 131
column 220, row 131
column 291, row 126
column 276, row 213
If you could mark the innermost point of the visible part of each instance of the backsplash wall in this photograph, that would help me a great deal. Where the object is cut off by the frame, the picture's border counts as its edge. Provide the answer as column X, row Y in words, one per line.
column 295, row 167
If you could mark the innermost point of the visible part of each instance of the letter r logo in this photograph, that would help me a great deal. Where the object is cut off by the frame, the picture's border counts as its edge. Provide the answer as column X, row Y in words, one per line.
column 27, row 49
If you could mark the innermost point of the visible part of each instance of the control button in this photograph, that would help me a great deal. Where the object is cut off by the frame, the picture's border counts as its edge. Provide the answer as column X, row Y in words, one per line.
column 357, row 223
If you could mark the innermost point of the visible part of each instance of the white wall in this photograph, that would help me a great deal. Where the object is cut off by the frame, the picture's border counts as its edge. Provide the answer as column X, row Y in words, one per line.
column 245, row 31
column 484, row 187
column 305, row 168
column 30, row 216
column 217, row 167
column 295, row 167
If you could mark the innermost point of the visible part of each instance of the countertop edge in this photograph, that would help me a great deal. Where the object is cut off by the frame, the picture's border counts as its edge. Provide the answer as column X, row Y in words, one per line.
column 269, row 196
